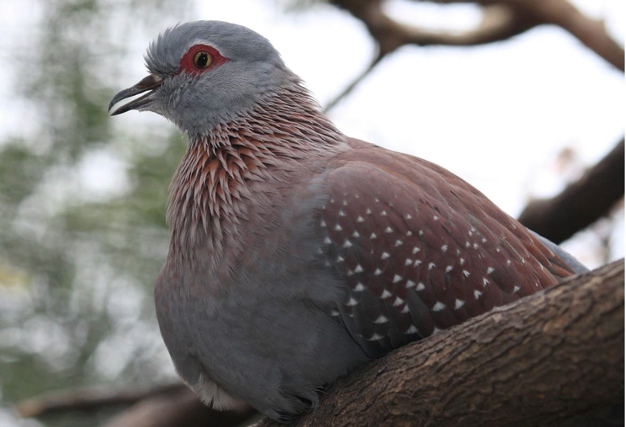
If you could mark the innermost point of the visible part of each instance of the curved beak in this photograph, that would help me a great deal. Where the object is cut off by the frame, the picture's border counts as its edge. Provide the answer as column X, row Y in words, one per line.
column 150, row 83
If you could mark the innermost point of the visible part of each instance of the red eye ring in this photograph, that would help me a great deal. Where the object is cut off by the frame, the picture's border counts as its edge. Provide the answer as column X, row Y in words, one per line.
column 200, row 58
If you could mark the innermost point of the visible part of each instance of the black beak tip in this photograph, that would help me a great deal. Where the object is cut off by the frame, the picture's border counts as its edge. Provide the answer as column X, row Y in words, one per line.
column 148, row 84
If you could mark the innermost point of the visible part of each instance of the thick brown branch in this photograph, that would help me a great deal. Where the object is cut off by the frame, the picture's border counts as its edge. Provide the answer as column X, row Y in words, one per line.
column 547, row 357
column 582, row 202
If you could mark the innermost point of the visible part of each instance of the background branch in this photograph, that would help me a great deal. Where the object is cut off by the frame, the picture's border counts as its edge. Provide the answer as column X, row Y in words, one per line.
column 582, row 202
column 501, row 21
column 90, row 399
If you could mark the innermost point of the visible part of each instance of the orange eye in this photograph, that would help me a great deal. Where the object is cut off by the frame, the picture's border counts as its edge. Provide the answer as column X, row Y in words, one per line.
column 202, row 60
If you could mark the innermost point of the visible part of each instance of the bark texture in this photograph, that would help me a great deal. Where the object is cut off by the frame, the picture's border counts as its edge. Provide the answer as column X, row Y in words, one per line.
column 546, row 358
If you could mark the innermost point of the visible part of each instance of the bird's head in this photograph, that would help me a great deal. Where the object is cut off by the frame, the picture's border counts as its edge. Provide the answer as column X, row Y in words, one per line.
column 206, row 73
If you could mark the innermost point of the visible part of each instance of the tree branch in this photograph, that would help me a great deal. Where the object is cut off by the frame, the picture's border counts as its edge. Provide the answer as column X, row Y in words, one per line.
column 180, row 409
column 548, row 357
column 86, row 400
column 170, row 405
column 582, row 202
column 348, row 89
column 502, row 19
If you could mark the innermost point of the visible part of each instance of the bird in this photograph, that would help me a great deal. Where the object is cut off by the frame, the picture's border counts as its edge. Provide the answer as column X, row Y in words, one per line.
column 297, row 253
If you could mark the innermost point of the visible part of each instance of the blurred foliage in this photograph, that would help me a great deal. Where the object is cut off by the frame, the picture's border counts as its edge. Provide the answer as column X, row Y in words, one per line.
column 77, row 263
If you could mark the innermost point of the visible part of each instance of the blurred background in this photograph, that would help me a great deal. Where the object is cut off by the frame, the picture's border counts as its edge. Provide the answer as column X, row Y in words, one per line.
column 82, row 195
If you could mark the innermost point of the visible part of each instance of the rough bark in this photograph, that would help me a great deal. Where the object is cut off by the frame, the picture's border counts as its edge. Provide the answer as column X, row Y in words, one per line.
column 582, row 202
column 548, row 357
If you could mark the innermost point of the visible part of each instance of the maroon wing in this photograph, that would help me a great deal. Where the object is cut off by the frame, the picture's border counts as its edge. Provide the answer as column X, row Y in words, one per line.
column 421, row 250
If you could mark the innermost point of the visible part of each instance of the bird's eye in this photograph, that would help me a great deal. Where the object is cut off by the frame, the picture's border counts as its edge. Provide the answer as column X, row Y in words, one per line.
column 199, row 59
column 202, row 60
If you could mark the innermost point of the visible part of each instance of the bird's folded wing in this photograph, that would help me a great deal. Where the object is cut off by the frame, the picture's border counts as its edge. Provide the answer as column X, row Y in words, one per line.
column 420, row 250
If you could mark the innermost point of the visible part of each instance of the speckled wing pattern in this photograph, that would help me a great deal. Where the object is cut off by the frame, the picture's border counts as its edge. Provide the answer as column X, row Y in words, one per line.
column 420, row 250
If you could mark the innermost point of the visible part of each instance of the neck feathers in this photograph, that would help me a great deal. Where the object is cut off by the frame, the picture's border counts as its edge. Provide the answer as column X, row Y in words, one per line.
column 234, row 173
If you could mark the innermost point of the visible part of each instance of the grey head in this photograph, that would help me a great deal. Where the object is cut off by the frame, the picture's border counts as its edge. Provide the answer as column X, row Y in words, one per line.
column 206, row 73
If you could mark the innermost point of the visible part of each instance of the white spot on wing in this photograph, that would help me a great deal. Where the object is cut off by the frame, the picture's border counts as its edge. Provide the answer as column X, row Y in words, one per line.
column 410, row 284
column 438, row 306
column 458, row 304
column 385, row 255
column 381, row 319
column 347, row 244
column 420, row 287
column 359, row 287
column 477, row 294
column 388, row 230
column 374, row 337
column 352, row 302
column 398, row 302
column 338, row 227
column 385, row 294
column 397, row 278
column 358, row 269
column 412, row 330
column 490, row 270
column 360, row 219
column 378, row 272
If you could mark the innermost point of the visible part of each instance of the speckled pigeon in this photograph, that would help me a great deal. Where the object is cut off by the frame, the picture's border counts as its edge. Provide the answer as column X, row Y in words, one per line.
column 297, row 253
